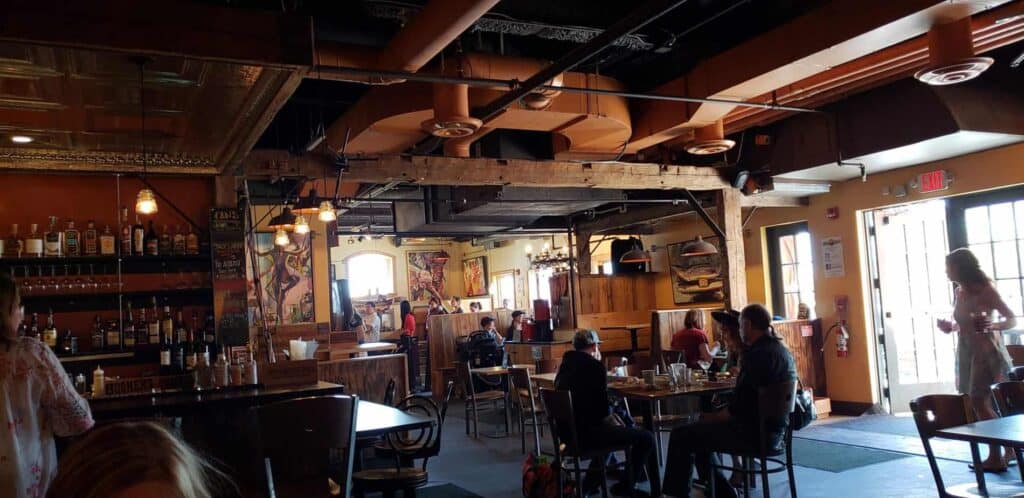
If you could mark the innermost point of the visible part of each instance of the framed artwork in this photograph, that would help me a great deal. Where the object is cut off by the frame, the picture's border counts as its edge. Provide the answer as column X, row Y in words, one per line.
column 474, row 276
column 285, row 278
column 696, row 275
column 427, row 275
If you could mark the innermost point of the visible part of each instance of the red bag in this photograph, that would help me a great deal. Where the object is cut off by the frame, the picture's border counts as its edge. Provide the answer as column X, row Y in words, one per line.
column 540, row 479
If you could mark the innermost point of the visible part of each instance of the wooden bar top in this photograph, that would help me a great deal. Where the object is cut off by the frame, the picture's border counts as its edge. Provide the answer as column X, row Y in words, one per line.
column 184, row 402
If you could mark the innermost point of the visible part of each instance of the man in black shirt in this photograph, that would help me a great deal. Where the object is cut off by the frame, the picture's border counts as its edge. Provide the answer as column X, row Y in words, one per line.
column 766, row 361
column 582, row 374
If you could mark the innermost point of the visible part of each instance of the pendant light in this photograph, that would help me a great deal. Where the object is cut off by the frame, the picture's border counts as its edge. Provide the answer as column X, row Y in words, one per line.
column 145, row 201
column 327, row 213
column 635, row 255
column 301, row 225
column 698, row 247
column 281, row 237
column 284, row 221
column 308, row 205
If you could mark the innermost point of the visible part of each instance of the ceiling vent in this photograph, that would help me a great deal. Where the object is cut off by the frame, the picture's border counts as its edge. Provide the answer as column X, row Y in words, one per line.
column 709, row 140
column 951, row 57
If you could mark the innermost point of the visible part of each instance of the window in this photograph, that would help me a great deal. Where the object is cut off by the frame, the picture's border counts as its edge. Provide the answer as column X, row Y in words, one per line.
column 540, row 287
column 791, row 268
column 503, row 287
column 370, row 274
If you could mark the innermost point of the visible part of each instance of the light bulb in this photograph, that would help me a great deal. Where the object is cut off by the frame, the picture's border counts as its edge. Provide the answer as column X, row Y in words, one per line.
column 281, row 237
column 145, row 202
column 326, row 212
column 21, row 139
column 529, row 249
column 301, row 225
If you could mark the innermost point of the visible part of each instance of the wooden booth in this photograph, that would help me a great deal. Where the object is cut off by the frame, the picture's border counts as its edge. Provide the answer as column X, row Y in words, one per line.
column 445, row 330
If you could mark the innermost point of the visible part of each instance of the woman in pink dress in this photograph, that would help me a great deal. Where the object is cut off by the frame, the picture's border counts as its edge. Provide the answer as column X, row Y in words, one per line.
column 982, row 359
column 37, row 401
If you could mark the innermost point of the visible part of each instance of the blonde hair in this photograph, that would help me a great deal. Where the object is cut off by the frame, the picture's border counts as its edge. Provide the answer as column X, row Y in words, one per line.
column 115, row 457
column 9, row 297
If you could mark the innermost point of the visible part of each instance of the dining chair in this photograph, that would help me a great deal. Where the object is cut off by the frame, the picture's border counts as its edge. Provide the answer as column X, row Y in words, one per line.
column 296, row 439
column 1016, row 373
column 549, row 365
column 775, row 404
column 565, row 440
column 527, row 409
column 406, row 447
column 473, row 398
column 383, row 449
column 1008, row 398
column 933, row 413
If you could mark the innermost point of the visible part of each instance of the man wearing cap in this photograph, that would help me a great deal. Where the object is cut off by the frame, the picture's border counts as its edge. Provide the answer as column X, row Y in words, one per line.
column 583, row 375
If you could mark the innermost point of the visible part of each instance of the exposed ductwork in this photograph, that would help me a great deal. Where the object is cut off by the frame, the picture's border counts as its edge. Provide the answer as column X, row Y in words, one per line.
column 709, row 140
column 951, row 57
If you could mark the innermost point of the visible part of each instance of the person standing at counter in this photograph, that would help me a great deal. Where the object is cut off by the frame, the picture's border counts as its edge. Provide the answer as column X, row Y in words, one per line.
column 37, row 401
column 408, row 344
column 371, row 324
column 515, row 329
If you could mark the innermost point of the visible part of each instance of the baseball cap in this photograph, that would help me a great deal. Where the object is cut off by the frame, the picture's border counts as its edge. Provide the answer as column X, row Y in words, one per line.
column 585, row 338
column 727, row 318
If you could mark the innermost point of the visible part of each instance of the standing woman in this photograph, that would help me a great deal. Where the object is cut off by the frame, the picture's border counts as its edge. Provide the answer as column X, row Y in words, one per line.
column 982, row 359
column 409, row 343
column 37, row 401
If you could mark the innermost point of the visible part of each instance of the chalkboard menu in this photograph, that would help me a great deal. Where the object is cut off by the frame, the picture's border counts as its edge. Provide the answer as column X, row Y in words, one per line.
column 227, row 243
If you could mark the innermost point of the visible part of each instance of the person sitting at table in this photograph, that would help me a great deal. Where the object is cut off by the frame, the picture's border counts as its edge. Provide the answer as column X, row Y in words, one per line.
column 737, row 428
column 487, row 324
column 474, row 307
column 455, row 304
column 692, row 341
column 729, row 323
column 433, row 308
column 582, row 374
column 515, row 329
column 371, row 323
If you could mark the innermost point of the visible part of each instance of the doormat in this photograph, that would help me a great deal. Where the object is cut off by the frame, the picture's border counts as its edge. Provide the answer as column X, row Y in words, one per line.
column 445, row 491
column 835, row 457
column 883, row 424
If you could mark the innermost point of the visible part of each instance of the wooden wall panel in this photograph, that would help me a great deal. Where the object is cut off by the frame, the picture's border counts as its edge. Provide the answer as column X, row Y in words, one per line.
column 611, row 293
column 368, row 377
column 665, row 323
column 810, row 365
column 446, row 329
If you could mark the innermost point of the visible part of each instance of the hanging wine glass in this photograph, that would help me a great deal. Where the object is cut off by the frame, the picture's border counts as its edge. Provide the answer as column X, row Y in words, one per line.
column 26, row 283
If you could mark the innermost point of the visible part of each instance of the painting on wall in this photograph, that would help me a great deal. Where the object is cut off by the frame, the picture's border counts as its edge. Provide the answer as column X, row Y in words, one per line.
column 474, row 276
column 695, row 268
column 428, row 275
column 285, row 278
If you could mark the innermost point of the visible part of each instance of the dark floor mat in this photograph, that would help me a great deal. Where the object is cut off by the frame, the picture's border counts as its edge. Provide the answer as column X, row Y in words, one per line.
column 445, row 491
column 884, row 424
column 834, row 457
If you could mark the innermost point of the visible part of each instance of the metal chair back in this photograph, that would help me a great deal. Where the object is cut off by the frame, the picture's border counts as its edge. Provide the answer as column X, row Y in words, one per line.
column 417, row 443
column 562, row 419
column 935, row 412
column 1009, row 397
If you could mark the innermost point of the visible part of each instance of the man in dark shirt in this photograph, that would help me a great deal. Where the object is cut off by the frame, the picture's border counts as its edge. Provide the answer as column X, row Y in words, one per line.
column 582, row 374
column 766, row 361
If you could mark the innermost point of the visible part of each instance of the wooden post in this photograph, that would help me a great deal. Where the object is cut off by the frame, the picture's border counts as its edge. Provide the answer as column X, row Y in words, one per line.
column 729, row 217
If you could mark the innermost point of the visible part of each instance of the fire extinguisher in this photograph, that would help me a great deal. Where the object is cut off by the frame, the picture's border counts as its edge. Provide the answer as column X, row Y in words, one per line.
column 842, row 339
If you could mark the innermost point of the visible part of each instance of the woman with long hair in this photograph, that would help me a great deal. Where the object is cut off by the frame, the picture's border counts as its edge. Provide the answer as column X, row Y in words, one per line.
column 37, row 401
column 408, row 339
column 136, row 459
column 982, row 359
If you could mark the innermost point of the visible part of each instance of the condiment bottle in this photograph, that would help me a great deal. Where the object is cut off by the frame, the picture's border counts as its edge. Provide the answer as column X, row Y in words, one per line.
column 236, row 374
column 99, row 383
column 220, row 371
column 251, row 376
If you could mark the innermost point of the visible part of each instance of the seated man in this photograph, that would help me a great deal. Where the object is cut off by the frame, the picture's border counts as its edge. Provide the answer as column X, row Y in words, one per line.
column 582, row 374
column 487, row 324
column 766, row 361
column 692, row 341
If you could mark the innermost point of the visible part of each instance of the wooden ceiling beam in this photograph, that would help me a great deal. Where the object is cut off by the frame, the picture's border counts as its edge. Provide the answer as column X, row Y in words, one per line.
column 434, row 170
column 773, row 201
column 162, row 27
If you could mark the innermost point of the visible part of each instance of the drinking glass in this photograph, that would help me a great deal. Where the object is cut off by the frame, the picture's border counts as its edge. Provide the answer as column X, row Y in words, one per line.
column 704, row 365
column 91, row 283
column 52, row 282
column 26, row 283
column 79, row 282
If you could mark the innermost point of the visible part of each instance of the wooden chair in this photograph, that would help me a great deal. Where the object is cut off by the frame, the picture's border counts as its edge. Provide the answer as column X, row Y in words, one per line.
column 1008, row 398
column 406, row 446
column 383, row 449
column 1016, row 354
column 775, row 404
column 473, row 397
column 548, row 366
column 296, row 439
column 522, row 393
column 562, row 419
column 1016, row 373
column 933, row 413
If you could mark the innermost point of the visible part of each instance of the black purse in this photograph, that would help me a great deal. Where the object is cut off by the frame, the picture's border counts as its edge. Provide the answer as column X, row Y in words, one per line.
column 804, row 413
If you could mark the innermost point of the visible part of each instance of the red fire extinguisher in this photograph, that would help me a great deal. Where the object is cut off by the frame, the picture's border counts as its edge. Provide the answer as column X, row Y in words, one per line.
column 842, row 339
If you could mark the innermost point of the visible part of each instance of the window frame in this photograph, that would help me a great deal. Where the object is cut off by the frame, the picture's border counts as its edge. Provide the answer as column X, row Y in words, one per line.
column 348, row 273
column 777, row 290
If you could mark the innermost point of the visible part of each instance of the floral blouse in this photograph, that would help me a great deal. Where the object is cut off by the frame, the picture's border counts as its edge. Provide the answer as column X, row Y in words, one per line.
column 37, row 401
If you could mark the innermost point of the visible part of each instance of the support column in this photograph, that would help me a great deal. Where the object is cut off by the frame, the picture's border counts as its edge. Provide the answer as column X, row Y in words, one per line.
column 729, row 218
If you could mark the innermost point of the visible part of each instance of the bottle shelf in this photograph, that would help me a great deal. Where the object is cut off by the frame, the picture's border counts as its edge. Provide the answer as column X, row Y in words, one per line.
column 108, row 301
column 97, row 356
column 129, row 264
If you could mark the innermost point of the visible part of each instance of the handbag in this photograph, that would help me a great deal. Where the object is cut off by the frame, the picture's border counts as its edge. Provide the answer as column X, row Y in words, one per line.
column 804, row 413
column 540, row 479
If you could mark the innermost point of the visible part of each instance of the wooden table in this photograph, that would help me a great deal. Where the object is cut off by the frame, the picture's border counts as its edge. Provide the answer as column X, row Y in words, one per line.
column 1004, row 431
column 632, row 328
column 374, row 419
column 367, row 347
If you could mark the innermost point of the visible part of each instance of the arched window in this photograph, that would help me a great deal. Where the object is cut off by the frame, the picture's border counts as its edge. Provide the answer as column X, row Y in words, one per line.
column 370, row 274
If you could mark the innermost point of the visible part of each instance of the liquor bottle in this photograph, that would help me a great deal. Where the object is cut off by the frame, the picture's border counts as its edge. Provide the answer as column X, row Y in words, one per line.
column 166, row 246
column 126, row 233
column 179, row 241
column 167, row 323
column 99, row 335
column 191, row 242
column 114, row 338
column 154, row 324
column 50, row 332
column 138, row 239
column 198, row 342
column 33, row 327
column 90, row 240
column 165, row 357
column 152, row 241
column 13, row 244
column 53, row 240
column 181, row 332
column 34, row 243
column 210, row 335
column 128, row 329
column 142, row 328
column 108, row 246
column 190, row 352
column 72, row 240
column 177, row 356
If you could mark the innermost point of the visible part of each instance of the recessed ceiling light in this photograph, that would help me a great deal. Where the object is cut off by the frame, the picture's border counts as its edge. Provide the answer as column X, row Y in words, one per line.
column 21, row 139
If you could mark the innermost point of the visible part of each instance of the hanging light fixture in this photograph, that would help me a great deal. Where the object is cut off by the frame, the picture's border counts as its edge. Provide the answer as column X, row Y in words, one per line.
column 145, row 201
column 327, row 213
column 284, row 221
column 308, row 205
column 281, row 237
column 635, row 255
column 301, row 225
column 698, row 247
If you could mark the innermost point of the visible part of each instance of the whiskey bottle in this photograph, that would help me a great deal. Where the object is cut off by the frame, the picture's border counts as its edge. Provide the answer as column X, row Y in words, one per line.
column 167, row 323
column 154, row 324
column 191, row 242
column 72, row 240
column 99, row 335
column 166, row 246
column 90, row 240
column 180, row 331
column 179, row 241
column 126, row 233
column 13, row 244
column 50, row 332
column 108, row 246
column 138, row 239
column 128, row 329
column 34, row 243
column 165, row 357
column 33, row 327
column 142, row 328
column 53, row 240
column 152, row 241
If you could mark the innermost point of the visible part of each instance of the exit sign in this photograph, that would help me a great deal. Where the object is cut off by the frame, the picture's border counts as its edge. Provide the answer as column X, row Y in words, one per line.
column 933, row 181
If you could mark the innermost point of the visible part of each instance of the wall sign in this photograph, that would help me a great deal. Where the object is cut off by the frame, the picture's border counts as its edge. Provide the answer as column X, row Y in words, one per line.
column 933, row 181
column 227, row 243
column 832, row 257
